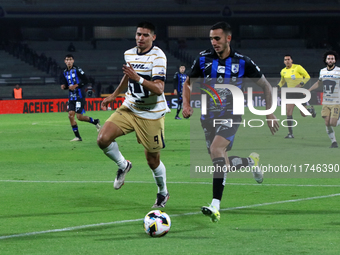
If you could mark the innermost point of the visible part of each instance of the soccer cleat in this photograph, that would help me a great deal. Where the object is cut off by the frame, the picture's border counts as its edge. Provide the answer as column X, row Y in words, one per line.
column 289, row 136
column 334, row 145
column 177, row 118
column 212, row 212
column 98, row 126
column 256, row 170
column 119, row 181
column 76, row 139
column 161, row 200
column 312, row 111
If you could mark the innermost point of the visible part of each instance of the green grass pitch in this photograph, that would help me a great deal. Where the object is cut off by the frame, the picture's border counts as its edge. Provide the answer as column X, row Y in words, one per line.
column 56, row 197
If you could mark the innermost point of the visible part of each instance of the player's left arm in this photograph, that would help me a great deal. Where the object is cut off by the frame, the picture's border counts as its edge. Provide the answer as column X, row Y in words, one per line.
column 304, row 74
column 267, row 90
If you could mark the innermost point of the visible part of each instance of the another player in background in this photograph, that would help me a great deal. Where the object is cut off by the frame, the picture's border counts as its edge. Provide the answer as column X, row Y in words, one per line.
column 74, row 79
column 296, row 77
column 179, row 79
column 330, row 78
column 143, row 110
column 223, row 65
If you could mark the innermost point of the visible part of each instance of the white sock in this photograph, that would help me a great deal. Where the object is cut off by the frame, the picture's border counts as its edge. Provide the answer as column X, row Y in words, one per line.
column 215, row 202
column 112, row 151
column 159, row 174
column 331, row 133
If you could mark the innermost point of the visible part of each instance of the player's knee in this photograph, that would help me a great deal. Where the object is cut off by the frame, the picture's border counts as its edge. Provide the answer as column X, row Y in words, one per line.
column 102, row 141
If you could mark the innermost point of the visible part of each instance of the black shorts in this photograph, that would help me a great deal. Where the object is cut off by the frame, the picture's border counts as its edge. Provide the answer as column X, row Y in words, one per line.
column 225, row 126
column 295, row 95
column 77, row 106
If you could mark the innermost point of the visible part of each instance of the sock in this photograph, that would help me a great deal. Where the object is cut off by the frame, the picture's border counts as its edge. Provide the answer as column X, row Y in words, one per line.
column 75, row 131
column 236, row 162
column 112, row 151
column 94, row 122
column 331, row 133
column 179, row 107
column 290, row 124
column 219, row 177
column 216, row 203
column 159, row 174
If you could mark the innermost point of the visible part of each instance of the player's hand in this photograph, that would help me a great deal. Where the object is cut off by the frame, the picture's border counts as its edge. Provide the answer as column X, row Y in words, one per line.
column 187, row 111
column 62, row 86
column 72, row 87
column 272, row 123
column 104, row 104
column 175, row 92
column 130, row 72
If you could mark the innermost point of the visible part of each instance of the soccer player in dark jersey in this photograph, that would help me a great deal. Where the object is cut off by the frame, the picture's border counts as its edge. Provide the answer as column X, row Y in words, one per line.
column 74, row 79
column 179, row 79
column 223, row 65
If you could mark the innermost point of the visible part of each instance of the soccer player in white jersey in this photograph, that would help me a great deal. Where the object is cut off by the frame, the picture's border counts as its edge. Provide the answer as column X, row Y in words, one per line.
column 142, row 111
column 330, row 79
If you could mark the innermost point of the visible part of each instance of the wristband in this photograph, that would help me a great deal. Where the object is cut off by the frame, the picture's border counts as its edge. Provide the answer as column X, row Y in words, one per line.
column 141, row 80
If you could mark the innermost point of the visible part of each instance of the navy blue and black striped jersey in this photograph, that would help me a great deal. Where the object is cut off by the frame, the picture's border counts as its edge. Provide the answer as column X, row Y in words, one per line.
column 214, row 70
column 74, row 76
column 179, row 79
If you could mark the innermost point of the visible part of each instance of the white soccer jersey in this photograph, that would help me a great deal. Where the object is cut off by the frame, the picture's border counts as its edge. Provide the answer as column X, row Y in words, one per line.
column 151, row 66
column 331, row 87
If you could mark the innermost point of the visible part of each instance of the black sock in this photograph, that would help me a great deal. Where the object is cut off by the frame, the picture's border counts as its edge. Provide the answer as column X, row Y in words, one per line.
column 236, row 162
column 94, row 122
column 179, row 107
column 75, row 131
column 219, row 177
column 290, row 124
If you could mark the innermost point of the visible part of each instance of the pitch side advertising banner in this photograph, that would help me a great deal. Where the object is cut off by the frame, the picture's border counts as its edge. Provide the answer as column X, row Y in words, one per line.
column 51, row 105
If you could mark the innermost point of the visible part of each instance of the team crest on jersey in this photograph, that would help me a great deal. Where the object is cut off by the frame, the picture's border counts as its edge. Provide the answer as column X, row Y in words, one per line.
column 235, row 68
column 220, row 79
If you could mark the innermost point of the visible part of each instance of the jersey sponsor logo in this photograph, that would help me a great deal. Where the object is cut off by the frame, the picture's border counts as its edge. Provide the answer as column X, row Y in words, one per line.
column 139, row 66
column 220, row 79
column 221, row 69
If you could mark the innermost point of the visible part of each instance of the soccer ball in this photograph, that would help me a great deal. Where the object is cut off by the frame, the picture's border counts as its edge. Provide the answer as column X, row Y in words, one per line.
column 157, row 223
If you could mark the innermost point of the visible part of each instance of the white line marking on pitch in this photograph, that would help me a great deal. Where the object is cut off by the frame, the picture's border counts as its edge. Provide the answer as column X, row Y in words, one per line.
column 205, row 183
column 173, row 215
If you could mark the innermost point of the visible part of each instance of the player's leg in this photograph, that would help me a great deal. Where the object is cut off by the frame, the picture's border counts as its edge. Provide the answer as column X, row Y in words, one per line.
column 71, row 115
column 159, row 174
column 179, row 106
column 117, row 124
column 80, row 110
column 326, row 115
column 252, row 162
column 150, row 133
column 290, row 109
column 334, row 116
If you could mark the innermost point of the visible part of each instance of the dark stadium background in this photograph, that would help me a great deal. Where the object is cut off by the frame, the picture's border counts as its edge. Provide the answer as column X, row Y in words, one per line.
column 35, row 35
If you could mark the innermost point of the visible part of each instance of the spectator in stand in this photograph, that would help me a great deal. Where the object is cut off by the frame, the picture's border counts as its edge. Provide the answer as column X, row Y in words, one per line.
column 17, row 92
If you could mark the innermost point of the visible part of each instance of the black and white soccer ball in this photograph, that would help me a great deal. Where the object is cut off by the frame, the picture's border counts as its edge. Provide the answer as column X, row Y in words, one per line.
column 157, row 223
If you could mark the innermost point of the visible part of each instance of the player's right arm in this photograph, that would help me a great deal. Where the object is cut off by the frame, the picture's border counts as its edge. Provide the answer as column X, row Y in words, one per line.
column 282, row 81
column 175, row 83
column 315, row 85
column 63, row 82
column 121, row 87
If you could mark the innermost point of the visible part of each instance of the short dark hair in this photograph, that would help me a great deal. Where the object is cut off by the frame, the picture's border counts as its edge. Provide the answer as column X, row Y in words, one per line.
column 288, row 55
column 222, row 25
column 69, row 56
column 330, row 52
column 147, row 25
